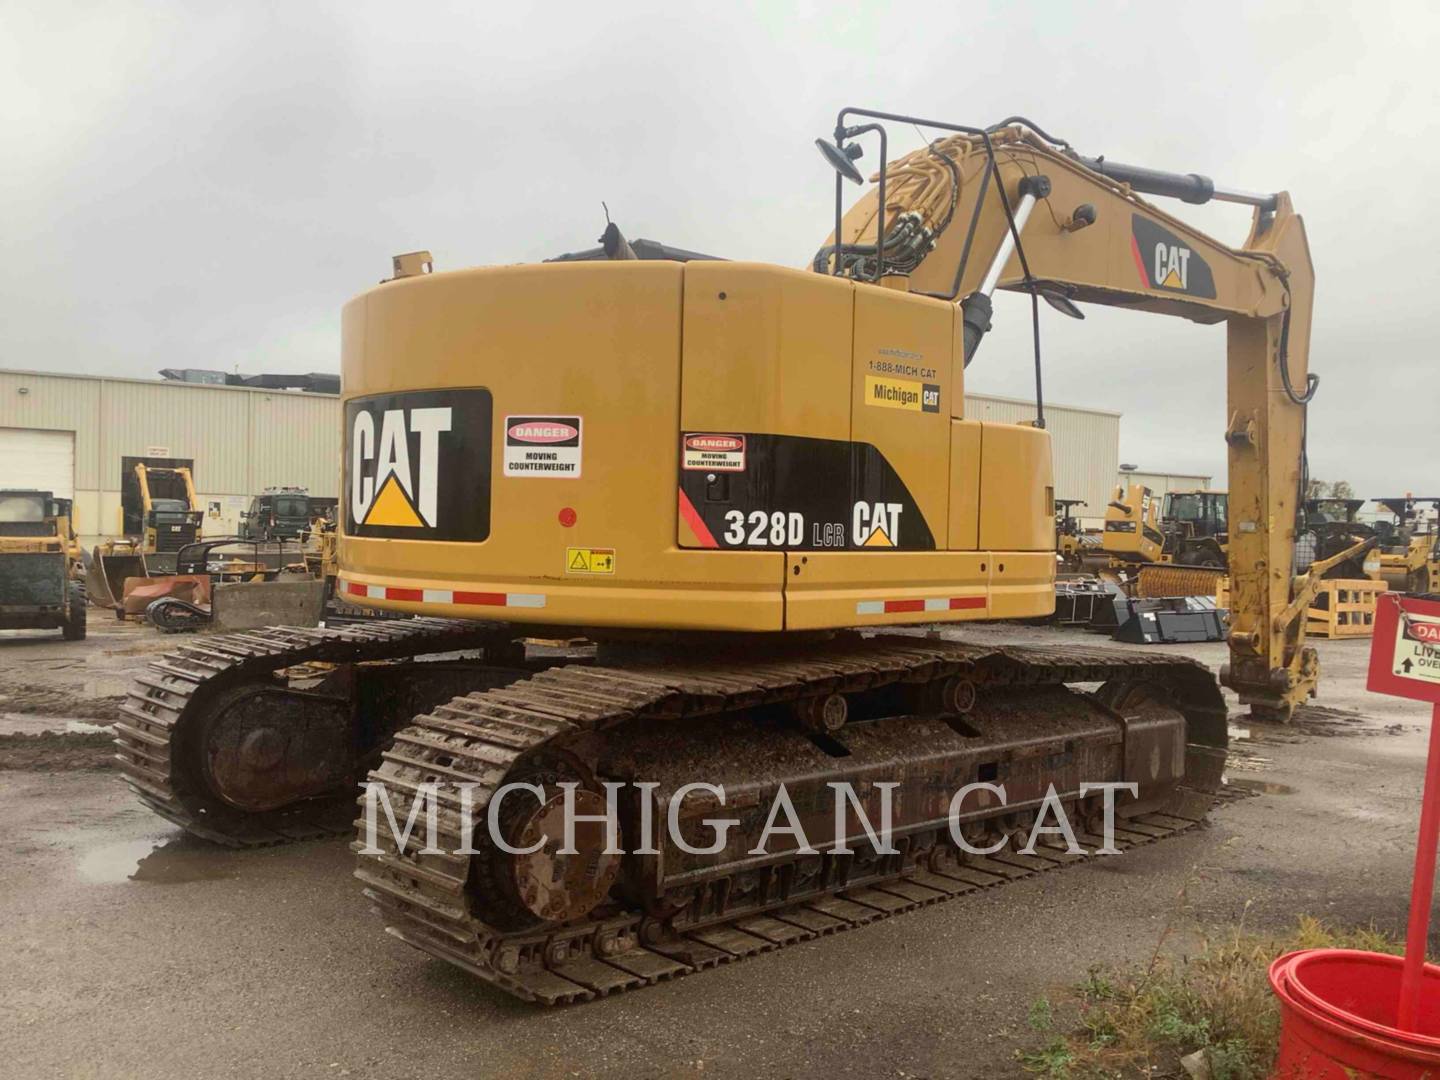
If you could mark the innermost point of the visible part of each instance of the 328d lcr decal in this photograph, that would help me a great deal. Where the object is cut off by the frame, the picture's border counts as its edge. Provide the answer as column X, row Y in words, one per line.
column 802, row 494
column 417, row 465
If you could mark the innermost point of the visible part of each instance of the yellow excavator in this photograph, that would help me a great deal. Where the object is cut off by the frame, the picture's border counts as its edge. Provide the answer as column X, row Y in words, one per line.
column 742, row 484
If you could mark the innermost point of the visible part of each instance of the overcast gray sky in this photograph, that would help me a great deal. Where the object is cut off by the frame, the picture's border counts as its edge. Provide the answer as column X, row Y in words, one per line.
column 203, row 184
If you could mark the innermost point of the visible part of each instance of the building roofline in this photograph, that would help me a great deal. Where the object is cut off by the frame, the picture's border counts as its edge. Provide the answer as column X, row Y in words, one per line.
column 1061, row 406
column 1048, row 404
column 168, row 383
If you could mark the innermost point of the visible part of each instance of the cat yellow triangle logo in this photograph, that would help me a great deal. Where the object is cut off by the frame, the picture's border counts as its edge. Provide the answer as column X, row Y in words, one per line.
column 878, row 538
column 392, row 507
column 1172, row 281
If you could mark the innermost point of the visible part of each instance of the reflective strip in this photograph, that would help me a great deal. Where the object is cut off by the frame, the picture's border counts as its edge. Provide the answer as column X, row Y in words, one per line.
column 930, row 603
column 446, row 596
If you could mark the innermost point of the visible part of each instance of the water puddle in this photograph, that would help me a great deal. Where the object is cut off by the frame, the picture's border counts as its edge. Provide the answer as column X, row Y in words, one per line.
column 1261, row 787
column 27, row 724
column 163, row 859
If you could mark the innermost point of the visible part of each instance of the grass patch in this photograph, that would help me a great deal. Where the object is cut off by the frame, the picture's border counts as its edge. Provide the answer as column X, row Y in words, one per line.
column 1140, row 1023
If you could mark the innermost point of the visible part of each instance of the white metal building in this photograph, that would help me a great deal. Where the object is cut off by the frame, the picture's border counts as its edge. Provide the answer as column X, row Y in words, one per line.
column 79, row 436
column 1085, row 442
column 1160, row 483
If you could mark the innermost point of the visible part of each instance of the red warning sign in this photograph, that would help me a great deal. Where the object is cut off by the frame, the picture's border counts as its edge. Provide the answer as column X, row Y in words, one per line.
column 715, row 453
column 1405, row 651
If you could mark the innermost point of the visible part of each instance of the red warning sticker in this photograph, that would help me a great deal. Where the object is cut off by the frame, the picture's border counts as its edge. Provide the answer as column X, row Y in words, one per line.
column 714, row 453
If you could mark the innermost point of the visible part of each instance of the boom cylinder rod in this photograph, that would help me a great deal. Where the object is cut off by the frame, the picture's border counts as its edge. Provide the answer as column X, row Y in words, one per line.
column 976, row 309
column 1187, row 187
column 1007, row 245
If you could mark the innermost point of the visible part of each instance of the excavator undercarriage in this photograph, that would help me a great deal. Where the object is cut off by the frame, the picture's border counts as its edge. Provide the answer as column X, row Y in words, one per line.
column 214, row 741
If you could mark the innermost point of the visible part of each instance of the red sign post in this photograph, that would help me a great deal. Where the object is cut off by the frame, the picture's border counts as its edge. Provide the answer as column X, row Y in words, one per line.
column 1405, row 662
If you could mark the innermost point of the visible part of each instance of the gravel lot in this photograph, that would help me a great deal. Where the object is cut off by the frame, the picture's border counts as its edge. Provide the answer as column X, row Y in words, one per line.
column 134, row 951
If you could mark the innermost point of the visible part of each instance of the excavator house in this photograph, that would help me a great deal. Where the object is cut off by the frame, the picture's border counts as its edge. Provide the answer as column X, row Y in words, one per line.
column 740, row 484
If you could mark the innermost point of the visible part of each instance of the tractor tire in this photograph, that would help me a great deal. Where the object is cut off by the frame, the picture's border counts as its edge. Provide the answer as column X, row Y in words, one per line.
column 74, row 628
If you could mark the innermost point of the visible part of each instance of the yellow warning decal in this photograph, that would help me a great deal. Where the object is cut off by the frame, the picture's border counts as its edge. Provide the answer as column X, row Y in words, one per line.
column 392, row 507
column 584, row 560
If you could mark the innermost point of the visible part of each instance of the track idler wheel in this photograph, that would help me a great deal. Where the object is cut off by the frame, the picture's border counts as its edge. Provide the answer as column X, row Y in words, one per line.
column 539, row 881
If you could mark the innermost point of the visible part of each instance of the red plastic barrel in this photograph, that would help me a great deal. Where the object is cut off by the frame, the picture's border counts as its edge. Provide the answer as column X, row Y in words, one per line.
column 1337, row 1017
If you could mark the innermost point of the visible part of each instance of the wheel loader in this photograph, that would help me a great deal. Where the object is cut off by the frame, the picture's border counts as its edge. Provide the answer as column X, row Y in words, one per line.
column 746, row 490
column 40, row 566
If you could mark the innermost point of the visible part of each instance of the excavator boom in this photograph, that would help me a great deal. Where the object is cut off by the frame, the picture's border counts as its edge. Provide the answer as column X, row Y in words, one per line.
column 1010, row 207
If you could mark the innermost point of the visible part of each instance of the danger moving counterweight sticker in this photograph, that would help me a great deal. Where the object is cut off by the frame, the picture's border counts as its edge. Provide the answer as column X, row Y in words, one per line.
column 542, row 446
column 715, row 453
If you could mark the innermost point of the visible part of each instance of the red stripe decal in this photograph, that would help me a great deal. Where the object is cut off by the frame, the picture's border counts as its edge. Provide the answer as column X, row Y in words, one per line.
column 480, row 599
column 404, row 594
column 696, row 523
column 958, row 602
column 1140, row 262
column 354, row 589
column 904, row 605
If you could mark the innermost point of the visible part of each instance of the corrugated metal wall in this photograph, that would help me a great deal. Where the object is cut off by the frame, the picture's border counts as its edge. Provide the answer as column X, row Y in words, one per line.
column 1086, row 444
column 1160, row 483
column 244, row 440
column 241, row 440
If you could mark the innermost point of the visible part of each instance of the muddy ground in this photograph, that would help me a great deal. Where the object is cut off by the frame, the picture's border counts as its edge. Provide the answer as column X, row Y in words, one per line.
column 134, row 951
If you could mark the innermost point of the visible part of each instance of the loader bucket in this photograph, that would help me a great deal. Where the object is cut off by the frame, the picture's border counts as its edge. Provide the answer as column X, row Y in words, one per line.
column 105, row 579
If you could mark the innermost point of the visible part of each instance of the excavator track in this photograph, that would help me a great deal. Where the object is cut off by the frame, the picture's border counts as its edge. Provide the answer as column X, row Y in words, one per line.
column 174, row 693
column 439, row 901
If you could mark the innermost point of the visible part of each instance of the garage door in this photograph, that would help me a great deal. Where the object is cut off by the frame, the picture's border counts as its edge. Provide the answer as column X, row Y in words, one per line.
column 38, row 459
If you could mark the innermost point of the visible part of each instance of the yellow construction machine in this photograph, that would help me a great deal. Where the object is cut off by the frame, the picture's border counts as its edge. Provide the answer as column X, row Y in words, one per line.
column 1132, row 526
column 40, row 564
column 742, row 483
column 170, row 518
column 171, row 514
column 1074, row 545
column 1409, row 543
